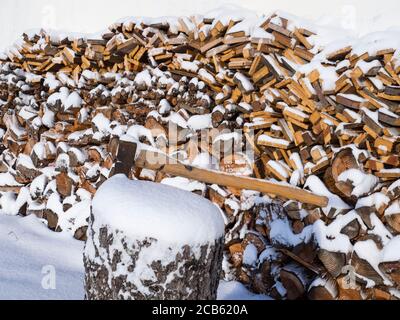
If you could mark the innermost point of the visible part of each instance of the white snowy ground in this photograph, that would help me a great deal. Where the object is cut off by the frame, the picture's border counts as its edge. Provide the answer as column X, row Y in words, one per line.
column 29, row 252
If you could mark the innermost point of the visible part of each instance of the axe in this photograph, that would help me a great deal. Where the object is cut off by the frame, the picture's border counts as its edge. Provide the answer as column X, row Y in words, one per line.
column 130, row 156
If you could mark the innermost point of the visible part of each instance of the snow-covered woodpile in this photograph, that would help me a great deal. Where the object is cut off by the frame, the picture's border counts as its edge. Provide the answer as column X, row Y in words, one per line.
column 178, row 256
column 318, row 113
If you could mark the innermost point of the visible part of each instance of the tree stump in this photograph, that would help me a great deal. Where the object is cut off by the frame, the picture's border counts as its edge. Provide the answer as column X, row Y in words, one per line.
column 152, row 241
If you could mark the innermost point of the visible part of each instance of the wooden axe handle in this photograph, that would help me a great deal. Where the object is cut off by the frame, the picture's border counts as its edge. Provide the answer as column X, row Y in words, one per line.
column 159, row 161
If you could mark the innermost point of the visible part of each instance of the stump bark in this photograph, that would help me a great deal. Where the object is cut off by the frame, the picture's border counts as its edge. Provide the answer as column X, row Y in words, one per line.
column 121, row 264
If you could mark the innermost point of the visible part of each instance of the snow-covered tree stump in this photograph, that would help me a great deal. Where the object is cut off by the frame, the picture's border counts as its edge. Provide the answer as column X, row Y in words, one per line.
column 152, row 241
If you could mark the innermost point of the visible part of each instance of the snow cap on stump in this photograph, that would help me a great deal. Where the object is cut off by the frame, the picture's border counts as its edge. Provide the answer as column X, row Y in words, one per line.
column 147, row 209
column 152, row 241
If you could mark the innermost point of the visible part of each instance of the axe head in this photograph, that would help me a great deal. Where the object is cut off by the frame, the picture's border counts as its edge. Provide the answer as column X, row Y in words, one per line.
column 126, row 155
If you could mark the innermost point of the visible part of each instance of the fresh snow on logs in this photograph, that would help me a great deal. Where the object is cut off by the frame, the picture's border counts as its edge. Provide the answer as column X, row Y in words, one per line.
column 363, row 183
column 144, row 238
column 144, row 209
column 319, row 110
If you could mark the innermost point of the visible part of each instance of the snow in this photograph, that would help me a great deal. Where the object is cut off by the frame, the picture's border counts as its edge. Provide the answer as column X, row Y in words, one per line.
column 295, row 178
column 226, row 136
column 368, row 251
column 374, row 115
column 142, row 211
column 336, row 242
column 247, row 85
column 27, row 247
column 393, row 170
column 75, row 217
column 352, row 15
column 234, row 290
column 205, row 75
column 177, row 119
column 377, row 200
column 54, row 204
column 324, row 282
column 145, row 209
column 379, row 229
column 73, row 101
column 366, row 66
column 61, row 95
column 164, row 106
column 327, row 74
column 387, row 112
column 363, row 183
column 200, row 122
column 62, row 161
column 269, row 254
column 136, row 131
column 394, row 208
column 246, row 106
column 143, row 77
column 281, row 233
column 13, row 124
column 268, row 139
column 295, row 157
column 278, row 168
column 25, row 161
column 10, row 203
column 189, row 66
column 48, row 118
column 38, row 185
column 101, row 122
column 317, row 186
column 391, row 251
column 51, row 82
column 79, row 154
column 296, row 111
column 7, row 179
column 184, row 184
column 351, row 97
column 250, row 255
column 205, row 161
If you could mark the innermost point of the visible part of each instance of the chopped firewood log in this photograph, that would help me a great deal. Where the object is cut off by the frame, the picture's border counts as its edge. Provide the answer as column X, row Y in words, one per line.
column 295, row 280
column 64, row 184
column 332, row 261
column 323, row 289
column 363, row 267
column 348, row 288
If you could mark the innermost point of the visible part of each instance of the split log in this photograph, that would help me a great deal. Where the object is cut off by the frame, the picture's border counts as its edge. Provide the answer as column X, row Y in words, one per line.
column 392, row 269
column 332, row 261
column 64, row 184
column 342, row 161
column 366, row 270
column 348, row 288
column 323, row 289
column 295, row 280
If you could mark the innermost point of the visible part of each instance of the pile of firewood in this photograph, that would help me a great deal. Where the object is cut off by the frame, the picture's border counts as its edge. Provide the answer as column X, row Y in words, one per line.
column 326, row 119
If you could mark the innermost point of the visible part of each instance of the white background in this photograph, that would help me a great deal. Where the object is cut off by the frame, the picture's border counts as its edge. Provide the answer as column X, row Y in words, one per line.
column 94, row 15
